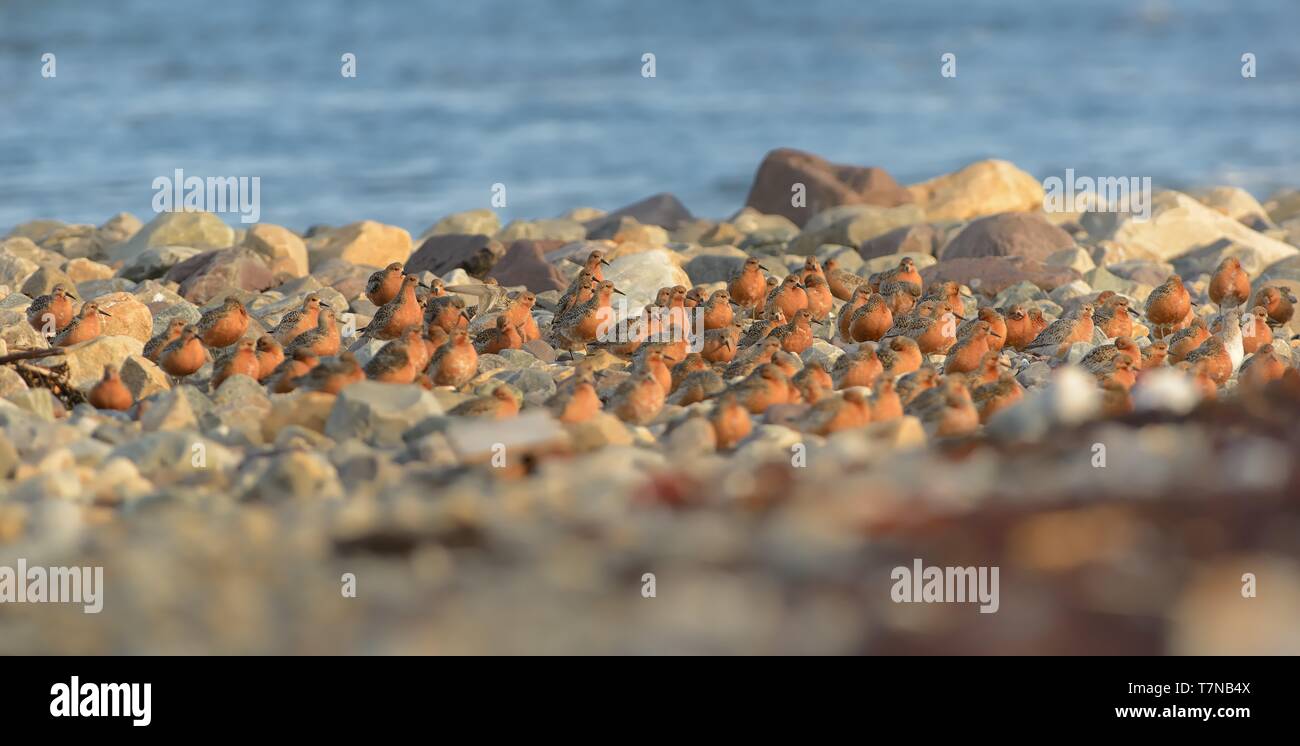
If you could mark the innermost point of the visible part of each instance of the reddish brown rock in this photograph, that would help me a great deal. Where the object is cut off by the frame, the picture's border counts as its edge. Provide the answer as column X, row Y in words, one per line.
column 345, row 277
column 213, row 273
column 828, row 185
column 663, row 210
column 476, row 254
column 1023, row 234
column 991, row 275
column 525, row 264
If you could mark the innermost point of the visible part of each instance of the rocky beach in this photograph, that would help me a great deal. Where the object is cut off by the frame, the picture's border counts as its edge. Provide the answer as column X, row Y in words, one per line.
column 359, row 439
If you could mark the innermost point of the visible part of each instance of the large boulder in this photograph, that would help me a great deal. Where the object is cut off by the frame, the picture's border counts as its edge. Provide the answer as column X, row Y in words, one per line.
column 84, row 270
column 473, row 222
column 1023, row 234
column 1178, row 225
column 216, row 273
column 142, row 377
column 198, row 230
column 556, row 229
column 639, row 276
column 86, row 361
column 991, row 275
column 118, row 229
column 476, row 254
column 346, row 278
column 525, row 263
column 154, row 262
column 367, row 242
column 982, row 188
column 921, row 238
column 283, row 250
column 14, row 269
column 43, row 280
column 127, row 316
column 1235, row 202
column 825, row 185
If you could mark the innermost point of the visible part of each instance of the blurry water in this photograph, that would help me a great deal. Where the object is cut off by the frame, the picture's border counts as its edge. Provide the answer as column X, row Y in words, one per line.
column 547, row 98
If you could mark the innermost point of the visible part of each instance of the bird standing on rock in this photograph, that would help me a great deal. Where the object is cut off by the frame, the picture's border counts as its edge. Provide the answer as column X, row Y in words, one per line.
column 997, row 325
column 904, row 274
column 323, row 341
column 1279, row 302
column 395, row 316
column 269, row 356
column 154, row 347
column 1056, row 339
column 1229, row 285
column 224, row 325
column 299, row 320
column 1183, row 341
column 576, row 400
column 243, row 361
column 789, row 296
column 285, row 376
column 84, row 326
column 333, row 375
column 455, row 363
column 501, row 336
column 638, row 400
column 384, row 285
column 1112, row 317
column 843, row 284
column 184, row 355
column 501, row 404
column 872, row 320
column 1167, row 306
column 50, row 314
column 110, row 392
column 748, row 286
column 730, row 421
column 1256, row 332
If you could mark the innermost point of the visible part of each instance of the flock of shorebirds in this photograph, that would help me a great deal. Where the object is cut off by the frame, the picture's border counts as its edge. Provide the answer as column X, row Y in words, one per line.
column 748, row 362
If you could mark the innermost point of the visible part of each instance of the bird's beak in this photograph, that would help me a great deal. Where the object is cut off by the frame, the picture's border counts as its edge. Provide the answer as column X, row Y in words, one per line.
column 70, row 295
column 324, row 304
column 106, row 313
column 464, row 315
column 620, row 292
column 605, row 262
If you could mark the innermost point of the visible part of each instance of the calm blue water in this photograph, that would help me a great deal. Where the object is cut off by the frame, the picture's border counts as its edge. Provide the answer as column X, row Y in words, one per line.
column 548, row 98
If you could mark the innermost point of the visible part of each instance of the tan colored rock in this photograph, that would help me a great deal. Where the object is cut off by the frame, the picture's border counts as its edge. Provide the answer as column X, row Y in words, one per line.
column 128, row 317
column 283, row 249
column 1235, row 202
column 86, row 361
column 72, row 241
column 43, row 280
column 197, row 230
column 169, row 411
column 482, row 222
column 305, row 409
column 651, row 235
column 83, row 270
column 118, row 229
column 853, row 225
column 982, row 188
column 367, row 243
column 142, row 377
column 1283, row 205
column 1178, row 225
column 35, row 230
